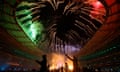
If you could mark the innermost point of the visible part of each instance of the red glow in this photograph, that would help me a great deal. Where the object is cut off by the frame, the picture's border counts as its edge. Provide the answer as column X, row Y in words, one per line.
column 97, row 4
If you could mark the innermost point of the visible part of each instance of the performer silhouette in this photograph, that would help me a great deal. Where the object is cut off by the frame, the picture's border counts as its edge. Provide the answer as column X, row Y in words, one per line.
column 43, row 64
column 75, row 63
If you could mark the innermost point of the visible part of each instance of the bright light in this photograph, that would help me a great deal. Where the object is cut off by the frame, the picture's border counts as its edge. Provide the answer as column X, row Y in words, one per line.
column 70, row 67
column 97, row 4
column 70, row 64
column 57, row 61
column 52, row 67
column 36, row 29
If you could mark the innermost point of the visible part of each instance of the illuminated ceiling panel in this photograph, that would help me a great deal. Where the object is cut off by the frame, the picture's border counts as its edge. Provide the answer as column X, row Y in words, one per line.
column 12, row 33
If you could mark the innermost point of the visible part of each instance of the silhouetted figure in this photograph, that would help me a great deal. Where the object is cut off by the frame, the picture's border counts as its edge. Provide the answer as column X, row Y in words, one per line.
column 43, row 64
column 61, row 69
column 66, row 67
column 75, row 63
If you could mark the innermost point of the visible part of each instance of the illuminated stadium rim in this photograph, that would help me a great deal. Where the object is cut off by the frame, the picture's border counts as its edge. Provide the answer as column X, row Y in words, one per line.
column 109, row 49
column 104, row 7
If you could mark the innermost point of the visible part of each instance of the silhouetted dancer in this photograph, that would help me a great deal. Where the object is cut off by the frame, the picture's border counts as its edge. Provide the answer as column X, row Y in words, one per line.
column 43, row 64
column 66, row 67
column 75, row 63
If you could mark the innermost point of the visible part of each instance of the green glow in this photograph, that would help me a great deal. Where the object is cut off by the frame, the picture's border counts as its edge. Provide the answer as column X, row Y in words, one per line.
column 36, row 28
column 22, row 12
column 33, row 29
column 99, row 53
column 24, row 54
column 26, row 17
